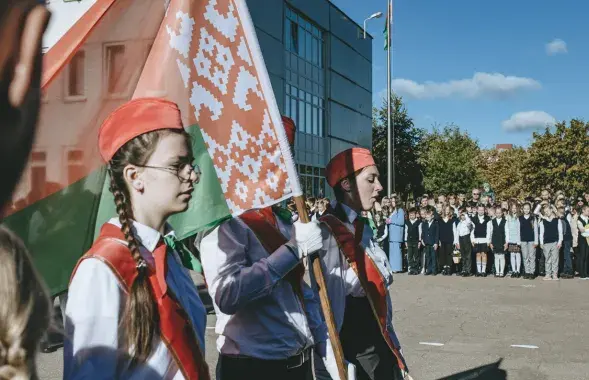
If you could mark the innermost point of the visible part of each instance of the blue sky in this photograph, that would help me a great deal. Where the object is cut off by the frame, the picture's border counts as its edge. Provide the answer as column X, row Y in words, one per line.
column 497, row 69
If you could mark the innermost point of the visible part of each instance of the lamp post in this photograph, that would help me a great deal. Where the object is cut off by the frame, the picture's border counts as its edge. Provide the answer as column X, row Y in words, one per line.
column 374, row 15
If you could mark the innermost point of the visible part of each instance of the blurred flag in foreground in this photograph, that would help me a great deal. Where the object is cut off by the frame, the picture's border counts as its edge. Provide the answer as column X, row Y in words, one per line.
column 201, row 54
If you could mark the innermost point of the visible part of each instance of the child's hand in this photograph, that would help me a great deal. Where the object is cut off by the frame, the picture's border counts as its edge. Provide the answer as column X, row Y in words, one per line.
column 505, row 247
column 457, row 246
column 542, row 246
column 419, row 245
column 435, row 247
column 491, row 245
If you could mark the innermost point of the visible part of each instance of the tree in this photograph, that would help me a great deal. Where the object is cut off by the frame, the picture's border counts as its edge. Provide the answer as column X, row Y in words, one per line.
column 449, row 158
column 407, row 137
column 559, row 159
column 504, row 171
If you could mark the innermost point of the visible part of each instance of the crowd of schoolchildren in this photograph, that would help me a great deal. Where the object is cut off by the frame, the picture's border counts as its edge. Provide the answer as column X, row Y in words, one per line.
column 545, row 236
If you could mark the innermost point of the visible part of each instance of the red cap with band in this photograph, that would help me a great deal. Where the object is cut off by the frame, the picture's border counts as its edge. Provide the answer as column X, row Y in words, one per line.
column 135, row 118
column 290, row 129
column 346, row 163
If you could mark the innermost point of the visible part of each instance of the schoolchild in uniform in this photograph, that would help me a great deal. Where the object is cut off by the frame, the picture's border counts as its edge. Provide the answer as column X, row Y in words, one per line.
column 358, row 274
column 133, row 310
column 463, row 242
column 430, row 238
column 412, row 241
column 567, row 244
column 480, row 237
column 499, row 233
column 514, row 240
column 528, row 228
column 268, row 318
column 446, row 233
column 551, row 236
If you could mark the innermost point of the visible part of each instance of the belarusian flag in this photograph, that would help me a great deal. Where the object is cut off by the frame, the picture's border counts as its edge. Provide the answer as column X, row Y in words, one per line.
column 201, row 54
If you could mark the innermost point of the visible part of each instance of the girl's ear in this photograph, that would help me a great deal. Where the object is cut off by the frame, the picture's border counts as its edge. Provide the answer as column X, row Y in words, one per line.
column 132, row 177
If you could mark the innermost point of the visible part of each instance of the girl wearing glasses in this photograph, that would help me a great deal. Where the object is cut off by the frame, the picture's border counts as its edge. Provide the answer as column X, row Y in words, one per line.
column 133, row 310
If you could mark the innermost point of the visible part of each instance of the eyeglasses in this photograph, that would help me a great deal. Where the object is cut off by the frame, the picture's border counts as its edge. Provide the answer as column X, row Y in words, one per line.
column 476, row 193
column 183, row 171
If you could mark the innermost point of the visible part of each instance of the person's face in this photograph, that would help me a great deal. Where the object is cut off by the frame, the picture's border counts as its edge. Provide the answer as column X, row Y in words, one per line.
column 468, row 209
column 498, row 212
column 461, row 197
column 386, row 202
column 439, row 208
column 481, row 211
column 429, row 215
column 491, row 212
column 514, row 209
column 548, row 211
column 441, row 198
column 526, row 209
column 505, row 205
column 424, row 202
column 20, row 93
column 377, row 218
column 476, row 194
column 561, row 213
column 586, row 195
column 452, row 201
column 422, row 214
column 367, row 187
column 412, row 215
column 485, row 200
column 585, row 211
column 160, row 191
column 545, row 195
column 320, row 207
column 462, row 215
column 393, row 202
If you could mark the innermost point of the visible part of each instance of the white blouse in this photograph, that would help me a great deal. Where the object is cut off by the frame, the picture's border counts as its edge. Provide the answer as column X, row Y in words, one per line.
column 94, row 308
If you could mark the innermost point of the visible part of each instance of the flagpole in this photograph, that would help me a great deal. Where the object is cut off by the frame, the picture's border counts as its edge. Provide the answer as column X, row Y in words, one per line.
column 315, row 262
column 390, row 148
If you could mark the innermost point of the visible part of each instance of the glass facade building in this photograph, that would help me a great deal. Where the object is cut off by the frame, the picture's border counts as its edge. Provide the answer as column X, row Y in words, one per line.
column 320, row 67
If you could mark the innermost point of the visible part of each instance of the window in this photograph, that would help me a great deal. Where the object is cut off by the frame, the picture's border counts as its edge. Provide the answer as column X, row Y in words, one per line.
column 306, row 110
column 305, row 74
column 312, row 181
column 75, row 77
column 75, row 165
column 117, row 70
column 38, row 175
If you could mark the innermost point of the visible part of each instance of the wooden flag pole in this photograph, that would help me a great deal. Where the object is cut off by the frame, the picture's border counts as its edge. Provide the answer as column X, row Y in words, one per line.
column 325, row 304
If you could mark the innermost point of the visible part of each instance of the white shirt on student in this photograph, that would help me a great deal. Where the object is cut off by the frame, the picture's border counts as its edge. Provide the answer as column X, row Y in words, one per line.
column 463, row 228
column 258, row 313
column 93, row 317
column 340, row 277
column 487, row 238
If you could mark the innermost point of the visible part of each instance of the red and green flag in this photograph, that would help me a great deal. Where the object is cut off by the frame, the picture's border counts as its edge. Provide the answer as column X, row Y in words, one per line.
column 203, row 55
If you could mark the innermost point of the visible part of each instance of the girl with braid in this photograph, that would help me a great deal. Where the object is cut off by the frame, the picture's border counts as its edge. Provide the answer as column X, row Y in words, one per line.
column 133, row 311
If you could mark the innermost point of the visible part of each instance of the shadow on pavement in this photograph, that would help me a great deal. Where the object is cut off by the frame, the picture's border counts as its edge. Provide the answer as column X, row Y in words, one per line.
column 486, row 372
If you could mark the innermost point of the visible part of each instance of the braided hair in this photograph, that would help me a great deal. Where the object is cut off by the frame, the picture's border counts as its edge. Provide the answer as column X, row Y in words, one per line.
column 140, row 320
column 25, row 310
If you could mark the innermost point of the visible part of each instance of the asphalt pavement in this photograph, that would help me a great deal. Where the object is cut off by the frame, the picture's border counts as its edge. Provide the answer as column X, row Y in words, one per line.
column 538, row 329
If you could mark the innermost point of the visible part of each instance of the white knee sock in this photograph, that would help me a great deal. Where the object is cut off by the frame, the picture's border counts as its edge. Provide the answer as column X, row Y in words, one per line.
column 518, row 262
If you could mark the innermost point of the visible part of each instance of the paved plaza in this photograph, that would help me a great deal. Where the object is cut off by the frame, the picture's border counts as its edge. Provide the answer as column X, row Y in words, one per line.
column 540, row 329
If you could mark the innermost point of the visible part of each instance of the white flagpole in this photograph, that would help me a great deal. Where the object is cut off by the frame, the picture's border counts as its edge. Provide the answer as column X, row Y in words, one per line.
column 390, row 135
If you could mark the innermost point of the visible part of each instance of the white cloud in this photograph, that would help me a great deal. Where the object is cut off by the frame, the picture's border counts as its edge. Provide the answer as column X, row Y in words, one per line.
column 556, row 46
column 528, row 120
column 481, row 84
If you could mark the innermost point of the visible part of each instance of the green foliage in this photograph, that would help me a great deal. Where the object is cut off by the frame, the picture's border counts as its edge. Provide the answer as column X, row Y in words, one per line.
column 504, row 171
column 558, row 159
column 408, row 178
column 450, row 159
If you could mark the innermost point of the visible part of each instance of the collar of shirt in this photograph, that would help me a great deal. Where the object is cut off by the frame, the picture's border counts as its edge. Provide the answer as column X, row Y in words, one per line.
column 498, row 220
column 351, row 214
column 481, row 218
column 146, row 236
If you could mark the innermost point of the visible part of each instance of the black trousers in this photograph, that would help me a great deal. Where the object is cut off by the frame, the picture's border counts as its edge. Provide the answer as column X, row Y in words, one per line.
column 241, row 368
column 445, row 255
column 582, row 257
column 364, row 345
column 413, row 259
column 465, row 253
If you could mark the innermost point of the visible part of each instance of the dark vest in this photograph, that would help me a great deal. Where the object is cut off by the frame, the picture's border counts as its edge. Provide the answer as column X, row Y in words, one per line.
column 412, row 231
column 429, row 234
column 567, row 234
column 480, row 229
column 526, row 228
column 551, row 230
column 498, row 238
column 446, row 230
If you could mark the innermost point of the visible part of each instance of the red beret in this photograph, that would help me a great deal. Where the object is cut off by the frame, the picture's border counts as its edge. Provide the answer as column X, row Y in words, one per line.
column 347, row 163
column 290, row 129
column 135, row 118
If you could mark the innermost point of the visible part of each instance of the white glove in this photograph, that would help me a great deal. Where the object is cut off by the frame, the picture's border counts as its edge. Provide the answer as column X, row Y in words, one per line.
column 307, row 238
column 325, row 351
